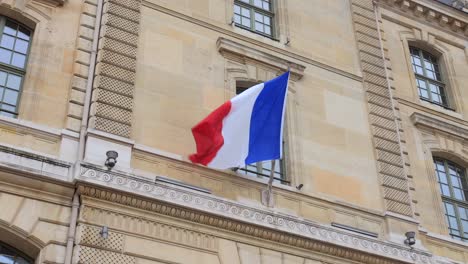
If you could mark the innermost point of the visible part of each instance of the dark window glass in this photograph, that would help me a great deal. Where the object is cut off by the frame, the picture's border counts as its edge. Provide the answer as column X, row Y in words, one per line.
column 9, row 255
column 263, row 169
column 454, row 189
column 254, row 15
column 14, row 48
column 428, row 78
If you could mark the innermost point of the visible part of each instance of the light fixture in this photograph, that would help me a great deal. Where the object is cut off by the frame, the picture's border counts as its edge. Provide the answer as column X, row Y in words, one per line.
column 410, row 238
column 104, row 232
column 299, row 187
column 111, row 159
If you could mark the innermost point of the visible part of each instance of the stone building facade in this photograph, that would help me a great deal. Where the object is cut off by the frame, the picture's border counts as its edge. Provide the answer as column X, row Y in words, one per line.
column 375, row 141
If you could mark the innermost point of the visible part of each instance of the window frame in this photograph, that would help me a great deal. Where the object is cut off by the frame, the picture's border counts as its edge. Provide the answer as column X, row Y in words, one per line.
column 456, row 203
column 242, row 86
column 17, row 253
column 12, row 69
column 428, row 80
column 252, row 8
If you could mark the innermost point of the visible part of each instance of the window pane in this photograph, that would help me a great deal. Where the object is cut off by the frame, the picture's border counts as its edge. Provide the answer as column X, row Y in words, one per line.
column 442, row 177
column 21, row 46
column 458, row 194
column 3, row 76
column 10, row 28
column 449, row 209
column 14, row 81
column 5, row 56
column 245, row 12
column 463, row 214
column 258, row 17
column 7, row 42
column 258, row 3
column 245, row 22
column 18, row 60
column 10, row 97
column 266, row 20
column 5, row 259
column 236, row 9
column 258, row 26
column 237, row 19
column 453, row 223
column 24, row 33
column 423, row 93
column 266, row 5
column 268, row 30
column 445, row 190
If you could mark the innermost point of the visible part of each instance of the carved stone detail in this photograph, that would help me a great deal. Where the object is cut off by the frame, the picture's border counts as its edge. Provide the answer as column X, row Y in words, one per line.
column 456, row 24
column 382, row 116
column 141, row 226
column 220, row 213
column 88, row 255
column 112, row 101
column 420, row 119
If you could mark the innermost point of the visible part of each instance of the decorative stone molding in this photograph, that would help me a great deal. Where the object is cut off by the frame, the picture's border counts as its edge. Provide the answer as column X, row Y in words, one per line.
column 137, row 225
column 432, row 12
column 93, row 255
column 16, row 159
column 232, row 49
column 81, row 65
column 112, row 101
column 420, row 119
column 382, row 115
column 221, row 213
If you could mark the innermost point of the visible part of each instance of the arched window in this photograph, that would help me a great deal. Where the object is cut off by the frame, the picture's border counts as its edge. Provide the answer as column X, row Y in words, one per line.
column 15, row 42
column 9, row 255
column 263, row 169
column 454, row 189
column 428, row 77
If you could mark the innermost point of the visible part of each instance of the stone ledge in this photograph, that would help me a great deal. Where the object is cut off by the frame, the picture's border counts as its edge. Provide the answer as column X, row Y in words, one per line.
column 436, row 14
column 131, row 190
column 228, row 48
column 22, row 160
column 420, row 119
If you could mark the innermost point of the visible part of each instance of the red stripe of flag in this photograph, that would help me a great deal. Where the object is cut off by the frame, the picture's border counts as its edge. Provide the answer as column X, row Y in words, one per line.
column 208, row 136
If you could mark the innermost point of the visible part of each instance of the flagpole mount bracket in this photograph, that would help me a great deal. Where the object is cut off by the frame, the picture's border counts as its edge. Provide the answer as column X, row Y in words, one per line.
column 267, row 198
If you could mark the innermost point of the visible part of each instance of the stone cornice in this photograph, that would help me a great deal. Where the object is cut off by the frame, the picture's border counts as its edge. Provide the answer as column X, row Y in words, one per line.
column 420, row 119
column 432, row 12
column 229, row 48
column 225, row 214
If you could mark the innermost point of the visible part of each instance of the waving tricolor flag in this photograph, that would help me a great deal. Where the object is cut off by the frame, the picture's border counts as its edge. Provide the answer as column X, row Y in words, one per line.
column 244, row 130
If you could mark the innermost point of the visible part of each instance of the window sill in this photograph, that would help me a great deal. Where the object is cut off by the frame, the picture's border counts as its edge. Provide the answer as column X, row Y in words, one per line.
column 262, row 180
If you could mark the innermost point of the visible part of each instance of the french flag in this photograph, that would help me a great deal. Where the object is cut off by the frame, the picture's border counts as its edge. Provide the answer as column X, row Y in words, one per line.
column 244, row 130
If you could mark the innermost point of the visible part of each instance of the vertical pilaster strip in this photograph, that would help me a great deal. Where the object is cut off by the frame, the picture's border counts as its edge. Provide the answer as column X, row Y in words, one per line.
column 112, row 99
column 382, row 113
column 81, row 65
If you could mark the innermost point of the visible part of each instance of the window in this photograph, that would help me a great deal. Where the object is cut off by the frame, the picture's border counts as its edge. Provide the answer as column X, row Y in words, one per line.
column 14, row 46
column 454, row 188
column 254, row 15
column 262, row 169
column 9, row 255
column 428, row 79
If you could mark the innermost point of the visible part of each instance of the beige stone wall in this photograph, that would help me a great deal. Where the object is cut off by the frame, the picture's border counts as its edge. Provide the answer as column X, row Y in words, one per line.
column 430, row 130
column 181, row 77
column 35, row 217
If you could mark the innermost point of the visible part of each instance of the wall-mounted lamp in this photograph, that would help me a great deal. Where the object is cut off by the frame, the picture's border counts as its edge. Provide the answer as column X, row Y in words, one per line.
column 299, row 187
column 104, row 232
column 111, row 159
column 410, row 238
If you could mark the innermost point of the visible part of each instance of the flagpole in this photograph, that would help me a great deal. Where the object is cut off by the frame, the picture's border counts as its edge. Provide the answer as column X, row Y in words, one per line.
column 267, row 195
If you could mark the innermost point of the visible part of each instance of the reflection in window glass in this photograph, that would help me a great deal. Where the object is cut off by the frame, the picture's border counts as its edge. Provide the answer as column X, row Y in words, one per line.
column 14, row 46
column 428, row 78
column 454, row 189
column 254, row 15
column 9, row 255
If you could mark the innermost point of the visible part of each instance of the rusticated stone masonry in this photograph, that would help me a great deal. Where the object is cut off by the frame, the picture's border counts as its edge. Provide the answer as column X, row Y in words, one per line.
column 383, row 118
column 112, row 99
